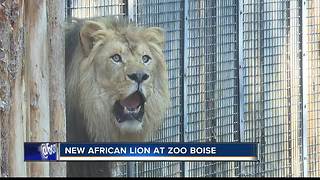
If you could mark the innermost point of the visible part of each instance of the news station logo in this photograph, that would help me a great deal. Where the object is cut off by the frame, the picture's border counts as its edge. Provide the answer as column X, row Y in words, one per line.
column 47, row 149
column 44, row 151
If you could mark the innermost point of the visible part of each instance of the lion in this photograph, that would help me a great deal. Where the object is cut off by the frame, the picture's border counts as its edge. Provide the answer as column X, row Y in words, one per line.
column 116, row 85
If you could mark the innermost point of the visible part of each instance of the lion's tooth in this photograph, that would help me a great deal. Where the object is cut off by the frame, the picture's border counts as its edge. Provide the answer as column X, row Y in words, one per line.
column 137, row 109
column 126, row 110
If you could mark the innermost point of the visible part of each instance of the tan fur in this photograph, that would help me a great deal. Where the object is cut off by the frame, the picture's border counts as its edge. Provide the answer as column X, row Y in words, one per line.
column 94, row 82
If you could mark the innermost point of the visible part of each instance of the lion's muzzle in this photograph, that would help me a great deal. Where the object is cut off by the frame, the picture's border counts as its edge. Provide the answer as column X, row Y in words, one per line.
column 131, row 108
column 138, row 77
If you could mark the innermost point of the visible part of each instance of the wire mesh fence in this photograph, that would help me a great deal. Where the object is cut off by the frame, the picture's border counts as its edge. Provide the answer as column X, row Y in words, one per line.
column 236, row 74
column 168, row 16
column 313, row 54
column 269, row 89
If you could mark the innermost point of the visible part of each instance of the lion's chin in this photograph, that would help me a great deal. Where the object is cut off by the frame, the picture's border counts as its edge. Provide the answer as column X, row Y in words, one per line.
column 129, row 127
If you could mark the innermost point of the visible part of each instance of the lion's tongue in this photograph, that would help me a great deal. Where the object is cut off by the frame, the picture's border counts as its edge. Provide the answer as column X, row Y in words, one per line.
column 133, row 101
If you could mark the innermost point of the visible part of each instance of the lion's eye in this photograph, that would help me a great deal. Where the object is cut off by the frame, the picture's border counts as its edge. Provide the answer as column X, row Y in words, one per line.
column 146, row 59
column 116, row 58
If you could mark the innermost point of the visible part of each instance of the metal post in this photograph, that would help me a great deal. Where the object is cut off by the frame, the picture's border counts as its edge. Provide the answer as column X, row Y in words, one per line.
column 185, row 68
column 261, row 168
column 184, row 91
column 241, row 65
column 130, row 14
column 240, row 75
column 130, row 11
column 131, row 169
column 68, row 10
column 304, row 73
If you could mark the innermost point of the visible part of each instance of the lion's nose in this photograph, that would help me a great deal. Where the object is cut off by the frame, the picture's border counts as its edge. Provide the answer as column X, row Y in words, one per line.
column 138, row 77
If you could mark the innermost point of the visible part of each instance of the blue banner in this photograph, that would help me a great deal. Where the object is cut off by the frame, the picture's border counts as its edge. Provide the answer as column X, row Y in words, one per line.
column 141, row 152
column 160, row 151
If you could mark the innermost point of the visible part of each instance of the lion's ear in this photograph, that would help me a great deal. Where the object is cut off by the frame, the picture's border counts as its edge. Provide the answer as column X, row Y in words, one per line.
column 86, row 35
column 155, row 35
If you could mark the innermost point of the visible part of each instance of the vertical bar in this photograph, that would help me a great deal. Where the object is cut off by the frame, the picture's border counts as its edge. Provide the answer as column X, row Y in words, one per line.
column 290, row 80
column 262, row 164
column 56, row 49
column 130, row 11
column 12, row 89
column 240, row 75
column 241, row 65
column 129, row 4
column 304, row 71
column 37, row 68
column 131, row 169
column 68, row 8
column 184, row 67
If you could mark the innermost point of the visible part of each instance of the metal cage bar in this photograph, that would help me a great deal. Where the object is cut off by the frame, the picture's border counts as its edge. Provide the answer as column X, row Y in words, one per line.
column 184, row 69
column 304, row 73
column 240, row 61
column 130, row 12
column 240, row 74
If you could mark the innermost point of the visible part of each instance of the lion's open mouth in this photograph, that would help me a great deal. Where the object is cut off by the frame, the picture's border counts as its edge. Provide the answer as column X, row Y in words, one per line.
column 130, row 108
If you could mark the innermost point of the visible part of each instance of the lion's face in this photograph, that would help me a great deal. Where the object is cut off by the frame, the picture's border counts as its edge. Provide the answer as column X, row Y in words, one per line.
column 126, row 69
